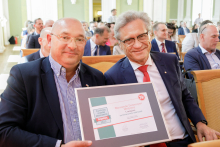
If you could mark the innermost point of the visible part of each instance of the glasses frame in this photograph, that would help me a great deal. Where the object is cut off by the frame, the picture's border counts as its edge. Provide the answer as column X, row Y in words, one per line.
column 71, row 38
column 134, row 39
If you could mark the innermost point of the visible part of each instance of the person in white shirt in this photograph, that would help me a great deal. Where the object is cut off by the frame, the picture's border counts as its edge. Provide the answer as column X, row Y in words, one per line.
column 113, row 17
column 198, row 20
column 192, row 39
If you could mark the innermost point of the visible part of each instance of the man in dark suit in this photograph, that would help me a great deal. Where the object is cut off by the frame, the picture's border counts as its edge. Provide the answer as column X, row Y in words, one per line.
column 38, row 25
column 159, row 43
column 38, row 107
column 183, row 30
column 205, row 56
column 33, row 41
column 44, row 48
column 96, row 45
column 163, row 71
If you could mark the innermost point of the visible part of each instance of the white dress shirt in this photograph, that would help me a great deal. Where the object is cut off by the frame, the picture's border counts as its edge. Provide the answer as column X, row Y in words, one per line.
column 93, row 45
column 160, row 46
column 185, row 30
column 41, row 54
column 214, row 61
column 198, row 21
column 112, row 19
column 175, row 127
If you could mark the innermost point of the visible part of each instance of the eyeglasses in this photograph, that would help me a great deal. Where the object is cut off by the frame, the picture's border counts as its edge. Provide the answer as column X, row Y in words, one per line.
column 141, row 38
column 67, row 39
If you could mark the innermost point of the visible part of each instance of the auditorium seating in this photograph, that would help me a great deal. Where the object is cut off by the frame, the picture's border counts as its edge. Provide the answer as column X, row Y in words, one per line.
column 29, row 51
column 213, row 143
column 181, row 37
column 102, row 63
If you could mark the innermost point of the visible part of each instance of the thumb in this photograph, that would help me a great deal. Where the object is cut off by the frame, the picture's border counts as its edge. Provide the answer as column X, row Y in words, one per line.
column 82, row 143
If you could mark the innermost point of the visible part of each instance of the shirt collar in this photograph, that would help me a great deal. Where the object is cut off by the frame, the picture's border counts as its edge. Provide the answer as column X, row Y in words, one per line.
column 41, row 54
column 92, row 44
column 204, row 51
column 35, row 33
column 158, row 42
column 135, row 65
column 58, row 69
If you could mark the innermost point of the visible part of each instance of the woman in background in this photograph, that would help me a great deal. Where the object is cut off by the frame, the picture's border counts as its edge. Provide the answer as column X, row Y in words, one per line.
column 171, row 28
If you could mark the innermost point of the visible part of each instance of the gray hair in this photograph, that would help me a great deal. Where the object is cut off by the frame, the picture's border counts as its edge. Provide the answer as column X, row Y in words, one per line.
column 45, row 31
column 30, row 27
column 203, row 25
column 101, row 30
column 130, row 16
column 155, row 27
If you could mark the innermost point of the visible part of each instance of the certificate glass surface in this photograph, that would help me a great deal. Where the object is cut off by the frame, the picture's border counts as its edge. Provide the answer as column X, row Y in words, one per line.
column 121, row 115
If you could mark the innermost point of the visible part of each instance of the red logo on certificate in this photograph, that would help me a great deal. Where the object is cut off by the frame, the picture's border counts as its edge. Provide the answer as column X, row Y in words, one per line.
column 141, row 97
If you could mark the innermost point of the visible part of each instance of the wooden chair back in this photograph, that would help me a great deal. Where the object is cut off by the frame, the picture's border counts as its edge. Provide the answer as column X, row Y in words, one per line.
column 102, row 63
column 208, row 86
column 213, row 143
column 29, row 51
column 179, row 48
column 111, row 48
column 218, row 46
column 181, row 38
column 183, row 55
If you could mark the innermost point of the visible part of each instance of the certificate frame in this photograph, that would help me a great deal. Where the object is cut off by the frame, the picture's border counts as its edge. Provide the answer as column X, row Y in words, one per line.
column 85, row 120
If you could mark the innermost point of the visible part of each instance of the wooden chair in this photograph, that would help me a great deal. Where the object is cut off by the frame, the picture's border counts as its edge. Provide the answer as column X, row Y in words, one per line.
column 179, row 48
column 183, row 55
column 29, row 51
column 102, row 63
column 218, row 46
column 181, row 37
column 213, row 143
column 111, row 48
column 208, row 86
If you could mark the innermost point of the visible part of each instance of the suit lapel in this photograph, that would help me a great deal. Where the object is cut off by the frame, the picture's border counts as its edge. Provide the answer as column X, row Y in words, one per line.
column 168, row 47
column 154, row 45
column 36, row 55
column 87, row 50
column 204, row 58
column 85, row 78
column 51, row 93
column 101, row 50
column 217, row 53
column 128, row 72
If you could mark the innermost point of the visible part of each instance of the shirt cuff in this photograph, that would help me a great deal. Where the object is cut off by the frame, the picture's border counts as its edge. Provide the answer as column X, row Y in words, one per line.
column 58, row 144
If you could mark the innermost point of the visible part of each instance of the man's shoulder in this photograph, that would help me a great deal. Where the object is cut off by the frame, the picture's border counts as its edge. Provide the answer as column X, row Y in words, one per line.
column 117, row 66
column 92, row 71
column 32, row 56
column 193, row 52
column 169, row 42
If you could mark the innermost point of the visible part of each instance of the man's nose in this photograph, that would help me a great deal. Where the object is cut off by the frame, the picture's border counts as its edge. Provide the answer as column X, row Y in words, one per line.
column 137, row 44
column 72, row 44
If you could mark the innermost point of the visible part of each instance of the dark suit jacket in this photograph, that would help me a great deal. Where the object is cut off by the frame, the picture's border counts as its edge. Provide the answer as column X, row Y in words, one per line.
column 30, row 112
column 28, row 38
column 103, row 50
column 33, row 56
column 33, row 42
column 196, row 60
column 170, row 46
column 181, row 31
column 184, row 104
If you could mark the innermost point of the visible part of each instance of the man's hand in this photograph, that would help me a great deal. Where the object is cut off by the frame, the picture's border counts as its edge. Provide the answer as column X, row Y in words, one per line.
column 205, row 131
column 77, row 144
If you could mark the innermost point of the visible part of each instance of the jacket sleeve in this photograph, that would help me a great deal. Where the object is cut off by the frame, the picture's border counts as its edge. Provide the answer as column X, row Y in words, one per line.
column 13, row 116
column 193, row 111
column 31, row 42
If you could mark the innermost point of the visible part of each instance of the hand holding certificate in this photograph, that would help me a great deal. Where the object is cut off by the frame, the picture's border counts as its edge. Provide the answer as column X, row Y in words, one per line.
column 121, row 115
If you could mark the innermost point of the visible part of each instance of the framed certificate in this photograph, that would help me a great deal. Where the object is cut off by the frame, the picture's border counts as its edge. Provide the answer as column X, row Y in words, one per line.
column 121, row 115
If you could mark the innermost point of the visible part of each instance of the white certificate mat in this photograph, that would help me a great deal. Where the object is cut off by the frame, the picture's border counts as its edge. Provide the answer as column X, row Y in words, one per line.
column 121, row 115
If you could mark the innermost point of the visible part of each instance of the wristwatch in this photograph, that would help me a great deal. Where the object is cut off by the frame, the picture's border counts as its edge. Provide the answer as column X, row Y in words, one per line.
column 204, row 121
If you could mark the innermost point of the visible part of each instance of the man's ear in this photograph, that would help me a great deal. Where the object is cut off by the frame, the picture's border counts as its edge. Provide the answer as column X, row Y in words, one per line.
column 40, row 41
column 49, row 40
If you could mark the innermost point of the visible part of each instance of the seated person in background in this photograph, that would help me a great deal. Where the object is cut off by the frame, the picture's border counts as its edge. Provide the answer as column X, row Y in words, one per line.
column 205, row 56
column 111, row 41
column 140, row 65
column 96, row 45
column 38, row 25
column 38, row 107
column 101, row 24
column 183, row 30
column 171, row 32
column 33, row 42
column 30, row 30
column 93, row 26
column 44, row 48
column 192, row 39
column 159, row 43
column 195, row 28
column 85, row 27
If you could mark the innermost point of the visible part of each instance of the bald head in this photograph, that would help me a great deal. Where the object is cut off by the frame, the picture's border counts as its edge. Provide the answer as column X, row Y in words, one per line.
column 45, row 31
column 49, row 23
column 60, row 25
